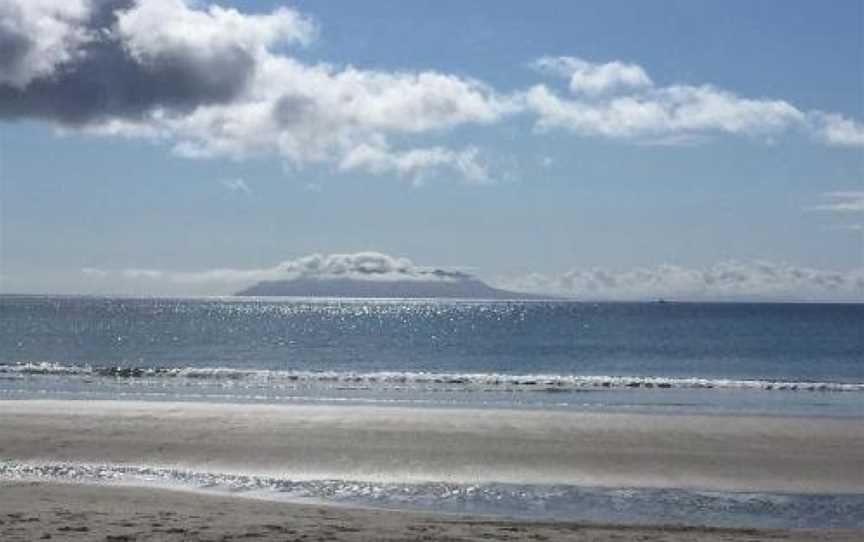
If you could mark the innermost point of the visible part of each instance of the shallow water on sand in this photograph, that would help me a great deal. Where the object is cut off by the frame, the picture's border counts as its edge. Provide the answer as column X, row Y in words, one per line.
column 524, row 501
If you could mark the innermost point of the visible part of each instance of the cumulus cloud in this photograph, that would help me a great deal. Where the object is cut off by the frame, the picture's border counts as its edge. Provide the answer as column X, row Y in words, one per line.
column 213, row 81
column 837, row 130
column 363, row 264
column 642, row 110
column 723, row 281
column 321, row 114
column 849, row 201
column 37, row 37
column 85, row 62
column 593, row 78
column 616, row 100
column 360, row 265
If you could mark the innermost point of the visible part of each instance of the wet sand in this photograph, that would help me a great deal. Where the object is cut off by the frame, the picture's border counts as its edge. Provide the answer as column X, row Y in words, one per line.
column 398, row 444
column 44, row 511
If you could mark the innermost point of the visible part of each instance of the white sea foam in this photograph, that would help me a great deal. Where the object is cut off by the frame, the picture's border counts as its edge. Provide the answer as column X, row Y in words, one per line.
column 453, row 380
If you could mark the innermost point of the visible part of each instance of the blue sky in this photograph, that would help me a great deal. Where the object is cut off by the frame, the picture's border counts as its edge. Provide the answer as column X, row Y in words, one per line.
column 598, row 149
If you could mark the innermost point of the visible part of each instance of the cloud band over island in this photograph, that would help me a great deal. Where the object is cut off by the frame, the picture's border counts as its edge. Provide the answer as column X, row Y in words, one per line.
column 215, row 82
column 728, row 280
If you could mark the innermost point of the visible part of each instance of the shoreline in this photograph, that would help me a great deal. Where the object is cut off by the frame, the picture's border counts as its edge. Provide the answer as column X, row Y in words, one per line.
column 416, row 445
column 34, row 510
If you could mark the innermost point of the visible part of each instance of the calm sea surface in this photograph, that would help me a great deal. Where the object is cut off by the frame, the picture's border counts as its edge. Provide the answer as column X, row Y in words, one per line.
column 692, row 357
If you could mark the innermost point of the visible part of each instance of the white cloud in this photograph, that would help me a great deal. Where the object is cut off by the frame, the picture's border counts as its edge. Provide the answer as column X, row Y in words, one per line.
column 360, row 265
column 151, row 274
column 723, row 281
column 94, row 272
column 617, row 100
column 590, row 78
column 236, row 185
column 320, row 114
column 643, row 111
column 415, row 163
column 842, row 201
column 728, row 280
column 837, row 130
column 216, row 82
column 39, row 36
column 849, row 227
column 154, row 28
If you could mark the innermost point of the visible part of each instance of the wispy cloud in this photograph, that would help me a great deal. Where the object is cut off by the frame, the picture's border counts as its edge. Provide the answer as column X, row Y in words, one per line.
column 94, row 272
column 849, row 201
column 723, row 281
column 851, row 227
column 236, row 185
column 139, row 274
column 417, row 163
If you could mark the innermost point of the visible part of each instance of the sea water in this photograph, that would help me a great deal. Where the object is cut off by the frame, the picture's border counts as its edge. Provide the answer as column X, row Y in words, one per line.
column 709, row 358
column 797, row 359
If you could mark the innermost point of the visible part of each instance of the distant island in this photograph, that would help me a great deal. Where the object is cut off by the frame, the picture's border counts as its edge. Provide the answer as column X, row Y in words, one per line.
column 461, row 286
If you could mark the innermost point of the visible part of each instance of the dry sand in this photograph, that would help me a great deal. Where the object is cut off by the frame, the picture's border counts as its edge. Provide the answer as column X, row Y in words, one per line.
column 41, row 511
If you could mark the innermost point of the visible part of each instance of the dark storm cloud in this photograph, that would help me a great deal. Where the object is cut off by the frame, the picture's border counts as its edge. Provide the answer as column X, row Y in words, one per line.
column 104, row 80
column 14, row 46
column 108, row 83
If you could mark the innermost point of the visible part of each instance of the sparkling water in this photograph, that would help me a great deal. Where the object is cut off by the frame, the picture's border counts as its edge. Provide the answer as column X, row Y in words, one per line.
column 675, row 358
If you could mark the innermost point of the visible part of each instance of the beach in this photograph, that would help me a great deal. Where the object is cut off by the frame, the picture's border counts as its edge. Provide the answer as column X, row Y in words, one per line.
column 45, row 511
column 391, row 444
column 386, row 445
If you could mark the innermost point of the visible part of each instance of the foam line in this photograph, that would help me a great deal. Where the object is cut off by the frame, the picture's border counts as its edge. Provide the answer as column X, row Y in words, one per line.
column 384, row 379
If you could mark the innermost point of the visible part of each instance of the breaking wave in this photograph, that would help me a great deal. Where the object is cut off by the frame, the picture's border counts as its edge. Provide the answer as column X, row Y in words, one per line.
column 419, row 379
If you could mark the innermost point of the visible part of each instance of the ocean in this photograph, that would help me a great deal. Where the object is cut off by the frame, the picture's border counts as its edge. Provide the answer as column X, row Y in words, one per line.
column 747, row 359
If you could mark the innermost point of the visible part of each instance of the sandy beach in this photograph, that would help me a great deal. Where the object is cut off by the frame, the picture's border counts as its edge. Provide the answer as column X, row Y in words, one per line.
column 385, row 444
column 397, row 444
column 44, row 511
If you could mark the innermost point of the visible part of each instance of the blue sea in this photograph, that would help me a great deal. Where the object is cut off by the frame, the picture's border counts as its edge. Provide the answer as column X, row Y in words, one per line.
column 668, row 358
column 695, row 357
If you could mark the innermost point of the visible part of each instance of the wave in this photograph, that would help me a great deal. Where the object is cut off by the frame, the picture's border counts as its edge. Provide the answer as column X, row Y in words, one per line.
column 391, row 379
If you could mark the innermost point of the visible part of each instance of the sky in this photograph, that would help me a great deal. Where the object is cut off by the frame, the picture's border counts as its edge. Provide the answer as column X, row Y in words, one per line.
column 600, row 150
